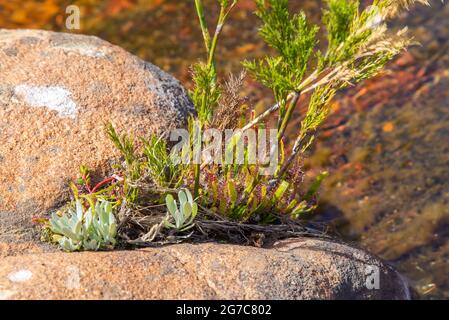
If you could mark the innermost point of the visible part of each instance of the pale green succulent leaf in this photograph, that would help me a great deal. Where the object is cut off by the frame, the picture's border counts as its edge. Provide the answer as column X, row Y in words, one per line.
column 189, row 196
column 187, row 211
column 182, row 198
column 171, row 204
column 194, row 210
column 79, row 210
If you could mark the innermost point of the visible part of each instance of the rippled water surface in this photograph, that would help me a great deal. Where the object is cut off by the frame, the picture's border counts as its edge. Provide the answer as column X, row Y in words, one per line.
column 386, row 143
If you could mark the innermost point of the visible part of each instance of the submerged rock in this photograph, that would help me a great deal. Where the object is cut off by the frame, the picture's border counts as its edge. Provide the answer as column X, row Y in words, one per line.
column 292, row 269
column 56, row 92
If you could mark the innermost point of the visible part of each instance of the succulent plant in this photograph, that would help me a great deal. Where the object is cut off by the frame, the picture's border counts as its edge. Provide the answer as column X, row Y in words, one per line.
column 181, row 218
column 93, row 229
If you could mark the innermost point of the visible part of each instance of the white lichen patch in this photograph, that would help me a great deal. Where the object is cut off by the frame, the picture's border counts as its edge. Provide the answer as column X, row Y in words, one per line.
column 53, row 98
column 84, row 49
column 20, row 276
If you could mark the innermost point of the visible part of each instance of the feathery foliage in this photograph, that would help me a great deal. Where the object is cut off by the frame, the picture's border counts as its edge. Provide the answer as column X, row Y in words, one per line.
column 294, row 40
column 358, row 47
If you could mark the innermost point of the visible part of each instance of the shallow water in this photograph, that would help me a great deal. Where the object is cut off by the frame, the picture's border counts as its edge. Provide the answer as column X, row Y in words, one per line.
column 386, row 144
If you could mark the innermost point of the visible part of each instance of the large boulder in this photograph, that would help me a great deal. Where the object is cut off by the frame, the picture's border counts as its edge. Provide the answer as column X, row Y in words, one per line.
column 292, row 269
column 56, row 92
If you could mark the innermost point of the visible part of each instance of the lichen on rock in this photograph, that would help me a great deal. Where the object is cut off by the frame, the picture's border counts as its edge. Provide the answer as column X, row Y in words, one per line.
column 53, row 98
column 57, row 91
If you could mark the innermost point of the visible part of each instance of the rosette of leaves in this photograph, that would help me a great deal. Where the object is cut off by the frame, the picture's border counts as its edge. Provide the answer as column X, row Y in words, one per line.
column 92, row 229
column 181, row 218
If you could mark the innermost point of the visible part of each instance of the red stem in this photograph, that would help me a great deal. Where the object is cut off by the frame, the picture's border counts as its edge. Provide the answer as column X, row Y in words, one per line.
column 87, row 184
column 102, row 183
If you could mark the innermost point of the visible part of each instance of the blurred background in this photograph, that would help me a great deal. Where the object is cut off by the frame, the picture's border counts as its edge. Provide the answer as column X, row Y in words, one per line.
column 386, row 143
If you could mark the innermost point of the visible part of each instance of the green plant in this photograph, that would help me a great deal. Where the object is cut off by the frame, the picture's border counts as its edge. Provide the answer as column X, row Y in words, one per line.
column 147, row 166
column 91, row 229
column 206, row 92
column 104, row 190
column 300, row 70
column 358, row 47
column 158, row 163
column 181, row 218
column 132, row 165
column 294, row 39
